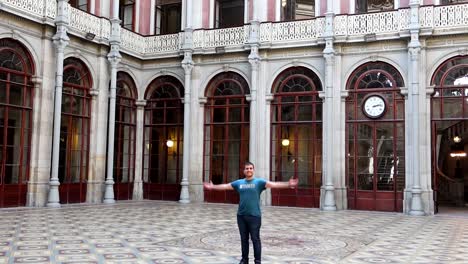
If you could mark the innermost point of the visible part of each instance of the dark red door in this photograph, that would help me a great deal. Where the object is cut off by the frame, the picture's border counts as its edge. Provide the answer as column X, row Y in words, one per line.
column 74, row 131
column 124, row 137
column 449, row 116
column 16, row 102
column 296, row 137
column 375, row 146
column 226, row 143
column 163, row 144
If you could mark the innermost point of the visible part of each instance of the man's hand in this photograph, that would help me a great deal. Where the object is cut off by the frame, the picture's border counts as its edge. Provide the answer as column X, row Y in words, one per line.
column 208, row 185
column 293, row 183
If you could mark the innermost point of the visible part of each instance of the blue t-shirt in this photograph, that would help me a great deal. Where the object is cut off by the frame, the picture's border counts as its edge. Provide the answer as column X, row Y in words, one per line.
column 249, row 192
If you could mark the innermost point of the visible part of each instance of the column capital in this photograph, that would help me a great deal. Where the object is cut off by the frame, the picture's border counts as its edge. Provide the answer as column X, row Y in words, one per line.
column 404, row 91
column 37, row 80
column 140, row 103
column 254, row 57
column 187, row 62
column 94, row 92
column 202, row 100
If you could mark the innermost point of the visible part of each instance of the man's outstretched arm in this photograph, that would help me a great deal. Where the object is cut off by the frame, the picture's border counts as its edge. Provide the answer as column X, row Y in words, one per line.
column 218, row 187
column 292, row 183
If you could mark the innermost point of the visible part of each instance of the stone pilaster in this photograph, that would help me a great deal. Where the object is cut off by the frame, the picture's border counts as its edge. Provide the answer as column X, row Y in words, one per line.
column 138, row 181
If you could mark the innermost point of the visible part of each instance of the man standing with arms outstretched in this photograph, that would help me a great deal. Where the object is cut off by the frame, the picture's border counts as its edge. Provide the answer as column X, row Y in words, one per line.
column 249, row 217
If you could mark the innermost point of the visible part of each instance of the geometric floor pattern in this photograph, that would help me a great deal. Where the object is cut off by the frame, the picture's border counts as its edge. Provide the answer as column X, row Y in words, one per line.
column 169, row 232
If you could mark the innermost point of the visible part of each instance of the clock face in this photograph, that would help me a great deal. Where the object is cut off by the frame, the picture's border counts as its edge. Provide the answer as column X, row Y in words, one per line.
column 374, row 106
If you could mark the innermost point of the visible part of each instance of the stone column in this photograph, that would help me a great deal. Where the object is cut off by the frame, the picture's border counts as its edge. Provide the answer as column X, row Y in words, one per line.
column 60, row 40
column 138, row 181
column 114, row 58
column 254, row 60
column 329, row 129
column 187, row 64
column 414, row 52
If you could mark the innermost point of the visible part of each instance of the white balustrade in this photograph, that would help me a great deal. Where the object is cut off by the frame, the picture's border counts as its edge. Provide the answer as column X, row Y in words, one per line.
column 162, row 43
column 222, row 37
column 85, row 22
column 51, row 8
column 340, row 24
column 451, row 15
column 395, row 21
column 30, row 7
column 294, row 30
column 132, row 41
column 426, row 16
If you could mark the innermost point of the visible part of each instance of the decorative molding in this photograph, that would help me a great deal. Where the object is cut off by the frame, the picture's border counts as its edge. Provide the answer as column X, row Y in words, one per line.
column 140, row 103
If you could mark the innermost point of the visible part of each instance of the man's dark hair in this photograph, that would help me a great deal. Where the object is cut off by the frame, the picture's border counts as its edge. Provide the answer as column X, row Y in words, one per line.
column 248, row 163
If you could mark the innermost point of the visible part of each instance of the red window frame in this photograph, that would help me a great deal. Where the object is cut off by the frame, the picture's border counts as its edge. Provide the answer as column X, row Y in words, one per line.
column 227, row 119
column 74, row 131
column 16, row 96
column 377, row 191
column 296, row 107
column 164, row 121
column 124, row 139
column 449, row 118
column 130, row 25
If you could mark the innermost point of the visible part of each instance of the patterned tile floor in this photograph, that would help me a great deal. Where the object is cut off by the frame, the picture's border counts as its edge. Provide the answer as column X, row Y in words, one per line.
column 166, row 232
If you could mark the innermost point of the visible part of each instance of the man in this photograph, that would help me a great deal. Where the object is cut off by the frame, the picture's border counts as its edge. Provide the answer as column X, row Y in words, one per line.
column 248, row 214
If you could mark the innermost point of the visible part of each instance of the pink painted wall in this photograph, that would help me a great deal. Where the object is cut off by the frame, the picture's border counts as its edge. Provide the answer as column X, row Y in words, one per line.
column 271, row 10
column 250, row 3
column 97, row 8
column 344, row 7
column 145, row 17
column 404, row 3
column 206, row 14
column 111, row 8
column 428, row 2
column 323, row 8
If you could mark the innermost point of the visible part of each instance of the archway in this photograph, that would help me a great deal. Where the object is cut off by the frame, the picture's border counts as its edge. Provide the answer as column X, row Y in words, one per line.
column 74, row 131
column 124, row 140
column 163, row 150
column 375, row 138
column 296, row 136
column 226, row 135
column 16, row 105
column 449, row 121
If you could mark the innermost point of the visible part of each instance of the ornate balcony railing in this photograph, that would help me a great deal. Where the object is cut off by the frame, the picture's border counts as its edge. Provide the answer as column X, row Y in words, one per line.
column 292, row 31
column 82, row 23
column 446, row 19
column 37, row 10
column 223, row 37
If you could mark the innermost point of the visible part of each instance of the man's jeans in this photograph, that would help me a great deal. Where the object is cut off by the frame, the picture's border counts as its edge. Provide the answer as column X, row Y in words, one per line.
column 250, row 225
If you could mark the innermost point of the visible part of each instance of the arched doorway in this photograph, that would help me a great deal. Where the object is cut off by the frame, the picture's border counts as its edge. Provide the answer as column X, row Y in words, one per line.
column 226, row 135
column 124, row 139
column 296, row 137
column 162, row 150
column 449, row 120
column 375, row 138
column 74, row 131
column 16, row 104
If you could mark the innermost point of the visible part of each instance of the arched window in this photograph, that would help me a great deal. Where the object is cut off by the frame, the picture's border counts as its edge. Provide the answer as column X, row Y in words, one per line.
column 226, row 144
column 163, row 149
column 296, row 136
column 16, row 105
column 449, row 115
column 124, row 140
column 375, row 138
column 74, row 131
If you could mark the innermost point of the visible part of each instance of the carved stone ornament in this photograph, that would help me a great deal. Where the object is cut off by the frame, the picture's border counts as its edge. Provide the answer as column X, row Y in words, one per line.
column 226, row 67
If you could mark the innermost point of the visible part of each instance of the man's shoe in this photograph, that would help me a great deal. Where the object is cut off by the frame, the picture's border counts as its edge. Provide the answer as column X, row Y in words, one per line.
column 258, row 262
column 243, row 261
